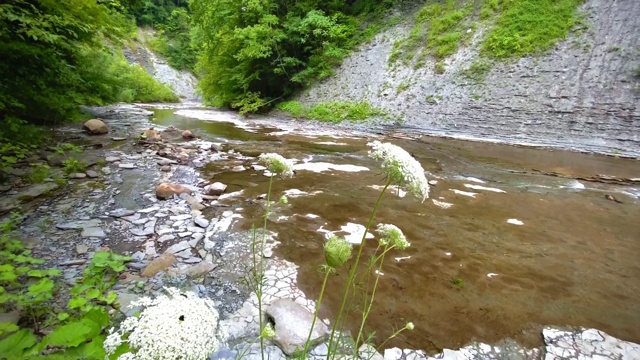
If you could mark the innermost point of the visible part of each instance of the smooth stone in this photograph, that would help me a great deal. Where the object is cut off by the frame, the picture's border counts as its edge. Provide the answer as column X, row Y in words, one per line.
column 217, row 188
column 127, row 166
column 125, row 300
column 165, row 161
column 202, row 222
column 78, row 176
column 166, row 168
column 110, row 159
column 92, row 174
column 93, row 232
column 176, row 248
column 292, row 325
column 95, row 127
column 118, row 213
column 159, row 264
column 81, row 249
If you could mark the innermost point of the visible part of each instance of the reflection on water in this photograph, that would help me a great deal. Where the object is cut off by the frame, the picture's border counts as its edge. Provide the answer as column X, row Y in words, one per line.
column 573, row 261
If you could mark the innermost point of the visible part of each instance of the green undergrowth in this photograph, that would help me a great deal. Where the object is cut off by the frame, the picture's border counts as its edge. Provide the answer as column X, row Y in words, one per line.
column 528, row 27
column 47, row 329
column 332, row 111
column 438, row 31
column 516, row 28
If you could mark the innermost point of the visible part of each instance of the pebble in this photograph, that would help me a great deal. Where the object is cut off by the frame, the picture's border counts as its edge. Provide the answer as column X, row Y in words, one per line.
column 202, row 222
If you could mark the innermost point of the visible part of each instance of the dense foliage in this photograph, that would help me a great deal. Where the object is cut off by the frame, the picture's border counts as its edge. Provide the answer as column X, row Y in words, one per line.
column 55, row 57
column 257, row 52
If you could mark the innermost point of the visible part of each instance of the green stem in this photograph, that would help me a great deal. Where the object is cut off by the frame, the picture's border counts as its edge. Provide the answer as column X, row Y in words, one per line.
column 315, row 316
column 391, row 337
column 246, row 348
column 367, row 310
column 354, row 267
column 261, row 280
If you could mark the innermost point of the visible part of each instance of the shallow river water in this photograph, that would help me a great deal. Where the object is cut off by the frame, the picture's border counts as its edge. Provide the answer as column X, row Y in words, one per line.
column 514, row 249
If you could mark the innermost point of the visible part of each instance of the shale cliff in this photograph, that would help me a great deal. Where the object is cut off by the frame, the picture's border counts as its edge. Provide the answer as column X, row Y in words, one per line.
column 584, row 94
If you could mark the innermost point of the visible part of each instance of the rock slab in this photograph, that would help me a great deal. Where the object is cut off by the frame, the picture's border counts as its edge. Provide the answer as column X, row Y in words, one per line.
column 292, row 323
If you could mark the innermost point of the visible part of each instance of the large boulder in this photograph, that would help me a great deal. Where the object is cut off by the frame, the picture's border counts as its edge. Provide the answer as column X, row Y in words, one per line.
column 95, row 127
column 166, row 190
column 292, row 323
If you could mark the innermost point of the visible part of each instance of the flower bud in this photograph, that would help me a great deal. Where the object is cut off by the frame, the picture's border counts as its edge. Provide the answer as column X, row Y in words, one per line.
column 337, row 251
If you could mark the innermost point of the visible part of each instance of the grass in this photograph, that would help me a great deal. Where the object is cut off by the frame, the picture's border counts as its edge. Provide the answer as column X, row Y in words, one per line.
column 477, row 71
column 438, row 30
column 332, row 111
column 529, row 27
column 403, row 86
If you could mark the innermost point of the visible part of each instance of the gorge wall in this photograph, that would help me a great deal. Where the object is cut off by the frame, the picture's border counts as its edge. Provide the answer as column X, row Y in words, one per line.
column 584, row 94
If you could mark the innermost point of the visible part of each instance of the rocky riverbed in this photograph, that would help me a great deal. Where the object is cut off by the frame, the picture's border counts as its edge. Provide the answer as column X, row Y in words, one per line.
column 186, row 233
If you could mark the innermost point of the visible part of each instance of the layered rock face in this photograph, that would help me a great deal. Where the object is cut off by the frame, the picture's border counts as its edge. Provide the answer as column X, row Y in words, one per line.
column 582, row 95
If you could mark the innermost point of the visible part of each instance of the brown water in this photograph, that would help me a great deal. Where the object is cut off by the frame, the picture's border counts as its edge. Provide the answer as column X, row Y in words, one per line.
column 575, row 261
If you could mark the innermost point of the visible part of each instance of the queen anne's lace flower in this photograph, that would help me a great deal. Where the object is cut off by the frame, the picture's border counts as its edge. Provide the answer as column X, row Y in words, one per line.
column 337, row 251
column 401, row 168
column 392, row 235
column 277, row 164
column 179, row 325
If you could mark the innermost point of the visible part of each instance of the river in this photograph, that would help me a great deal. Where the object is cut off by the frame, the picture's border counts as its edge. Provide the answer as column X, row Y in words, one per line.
column 509, row 240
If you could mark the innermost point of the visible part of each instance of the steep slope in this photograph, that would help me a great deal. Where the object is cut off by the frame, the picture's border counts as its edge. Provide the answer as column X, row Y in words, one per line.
column 183, row 83
column 583, row 95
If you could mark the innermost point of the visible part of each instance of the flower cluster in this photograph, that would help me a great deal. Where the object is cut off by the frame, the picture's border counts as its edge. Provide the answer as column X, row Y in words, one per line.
column 392, row 235
column 179, row 325
column 401, row 168
column 337, row 251
column 277, row 164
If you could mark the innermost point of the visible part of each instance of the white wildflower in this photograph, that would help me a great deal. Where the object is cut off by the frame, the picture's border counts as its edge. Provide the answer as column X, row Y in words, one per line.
column 179, row 325
column 401, row 168
column 410, row 326
column 277, row 164
column 392, row 235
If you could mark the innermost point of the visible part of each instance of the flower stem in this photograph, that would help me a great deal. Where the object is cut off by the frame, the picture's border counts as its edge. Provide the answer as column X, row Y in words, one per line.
column 367, row 310
column 354, row 267
column 315, row 316
column 261, row 280
column 391, row 337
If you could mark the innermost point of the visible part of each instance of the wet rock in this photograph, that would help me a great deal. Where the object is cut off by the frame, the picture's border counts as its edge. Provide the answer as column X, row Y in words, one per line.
column 238, row 168
column 166, row 168
column 198, row 270
column 292, row 325
column 125, row 300
column 37, row 190
column 166, row 190
column 111, row 159
column 396, row 354
column 202, row 222
column 78, row 176
column 118, row 213
column 159, row 264
column 217, row 147
column 93, row 232
column 166, row 238
column 81, row 249
column 95, row 127
column 216, row 188
column 127, row 166
column 165, row 161
column 118, row 138
column 587, row 344
column 187, row 134
column 176, row 248
column 92, row 174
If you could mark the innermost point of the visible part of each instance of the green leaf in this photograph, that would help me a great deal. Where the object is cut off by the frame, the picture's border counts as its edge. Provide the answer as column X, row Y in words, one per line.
column 14, row 345
column 36, row 273
column 63, row 316
column 76, row 302
column 74, row 333
column 111, row 297
column 8, row 276
column 8, row 327
column 90, row 350
column 93, row 293
column 41, row 287
column 98, row 315
column 6, row 267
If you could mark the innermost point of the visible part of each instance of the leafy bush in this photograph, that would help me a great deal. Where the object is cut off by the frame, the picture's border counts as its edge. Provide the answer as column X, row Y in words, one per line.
column 332, row 111
column 72, row 334
column 527, row 27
